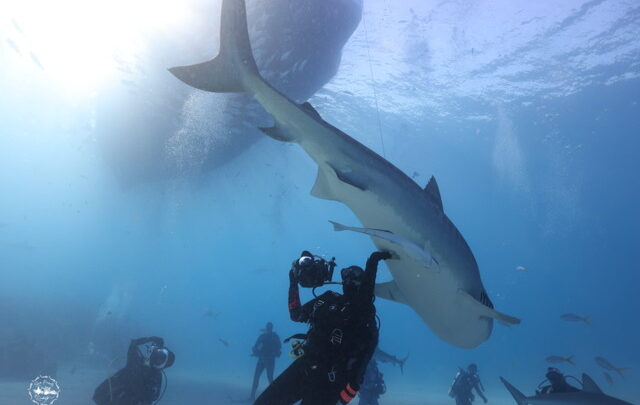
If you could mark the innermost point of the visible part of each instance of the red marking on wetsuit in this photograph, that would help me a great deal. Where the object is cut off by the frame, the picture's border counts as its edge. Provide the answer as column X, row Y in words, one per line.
column 294, row 303
column 345, row 396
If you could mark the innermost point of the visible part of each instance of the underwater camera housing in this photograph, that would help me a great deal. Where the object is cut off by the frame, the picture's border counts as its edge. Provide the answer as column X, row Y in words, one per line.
column 313, row 271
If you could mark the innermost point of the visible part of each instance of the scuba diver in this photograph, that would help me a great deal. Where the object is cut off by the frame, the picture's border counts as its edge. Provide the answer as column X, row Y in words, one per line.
column 140, row 381
column 557, row 383
column 372, row 385
column 343, row 333
column 463, row 385
column 266, row 349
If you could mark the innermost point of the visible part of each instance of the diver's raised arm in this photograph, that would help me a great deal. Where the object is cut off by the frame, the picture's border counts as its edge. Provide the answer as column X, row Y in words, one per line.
column 371, row 271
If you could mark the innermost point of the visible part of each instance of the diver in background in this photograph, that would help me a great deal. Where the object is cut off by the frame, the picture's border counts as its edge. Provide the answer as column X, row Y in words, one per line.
column 343, row 334
column 266, row 349
column 372, row 386
column 557, row 383
column 463, row 385
column 140, row 381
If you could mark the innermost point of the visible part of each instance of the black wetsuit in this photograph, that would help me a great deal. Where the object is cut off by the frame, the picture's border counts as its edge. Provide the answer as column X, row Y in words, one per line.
column 339, row 344
column 558, row 387
column 373, row 385
column 136, row 383
column 463, row 385
column 267, row 348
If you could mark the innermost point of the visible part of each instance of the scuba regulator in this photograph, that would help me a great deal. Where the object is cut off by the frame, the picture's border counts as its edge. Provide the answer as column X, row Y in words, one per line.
column 313, row 271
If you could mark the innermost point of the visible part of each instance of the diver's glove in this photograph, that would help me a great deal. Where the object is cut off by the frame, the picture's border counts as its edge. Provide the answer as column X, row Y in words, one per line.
column 380, row 255
column 347, row 394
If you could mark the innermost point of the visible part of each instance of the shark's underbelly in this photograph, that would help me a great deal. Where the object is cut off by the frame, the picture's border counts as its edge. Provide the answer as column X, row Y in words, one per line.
column 432, row 293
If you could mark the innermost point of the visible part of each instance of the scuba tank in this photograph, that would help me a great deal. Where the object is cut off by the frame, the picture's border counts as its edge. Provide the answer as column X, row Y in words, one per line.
column 457, row 384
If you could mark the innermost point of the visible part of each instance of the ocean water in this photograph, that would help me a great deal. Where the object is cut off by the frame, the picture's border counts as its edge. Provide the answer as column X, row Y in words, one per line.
column 119, row 218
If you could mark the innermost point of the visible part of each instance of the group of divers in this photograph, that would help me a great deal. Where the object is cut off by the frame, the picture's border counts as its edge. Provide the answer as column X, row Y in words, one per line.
column 334, row 360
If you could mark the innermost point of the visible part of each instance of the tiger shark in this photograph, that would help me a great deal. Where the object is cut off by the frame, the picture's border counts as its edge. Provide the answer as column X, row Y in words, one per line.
column 451, row 301
column 590, row 394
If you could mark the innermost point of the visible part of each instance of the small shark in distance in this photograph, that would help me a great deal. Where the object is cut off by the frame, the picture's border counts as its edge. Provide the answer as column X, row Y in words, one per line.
column 451, row 301
column 606, row 364
column 560, row 359
column 590, row 394
column 384, row 357
column 576, row 318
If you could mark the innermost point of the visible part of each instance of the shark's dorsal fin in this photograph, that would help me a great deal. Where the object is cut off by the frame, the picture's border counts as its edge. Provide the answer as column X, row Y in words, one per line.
column 309, row 109
column 390, row 291
column 433, row 191
column 588, row 385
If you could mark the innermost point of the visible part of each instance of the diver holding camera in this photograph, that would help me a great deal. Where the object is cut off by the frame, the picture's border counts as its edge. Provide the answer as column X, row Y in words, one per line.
column 140, row 381
column 342, row 336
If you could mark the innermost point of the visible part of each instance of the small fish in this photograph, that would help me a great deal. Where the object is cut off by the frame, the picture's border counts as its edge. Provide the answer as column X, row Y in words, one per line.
column 606, row 364
column 576, row 318
column 608, row 377
column 16, row 26
column 14, row 46
column 210, row 314
column 35, row 60
column 224, row 342
column 415, row 175
column 560, row 359
column 521, row 268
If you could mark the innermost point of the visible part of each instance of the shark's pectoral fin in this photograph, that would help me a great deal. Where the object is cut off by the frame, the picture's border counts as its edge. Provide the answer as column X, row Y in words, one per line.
column 487, row 312
column 390, row 291
column 322, row 186
column 349, row 177
column 276, row 133
column 328, row 174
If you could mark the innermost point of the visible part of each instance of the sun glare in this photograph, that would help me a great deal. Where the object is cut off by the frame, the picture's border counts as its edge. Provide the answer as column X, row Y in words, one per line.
column 78, row 43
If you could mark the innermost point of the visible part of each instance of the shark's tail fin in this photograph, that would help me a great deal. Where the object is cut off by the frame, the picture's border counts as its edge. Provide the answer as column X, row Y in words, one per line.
column 621, row 370
column 338, row 227
column 227, row 71
column 402, row 364
column 517, row 395
column 570, row 360
column 587, row 320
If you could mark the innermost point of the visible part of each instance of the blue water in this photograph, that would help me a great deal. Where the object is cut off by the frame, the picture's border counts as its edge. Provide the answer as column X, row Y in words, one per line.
column 527, row 115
